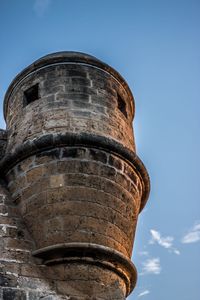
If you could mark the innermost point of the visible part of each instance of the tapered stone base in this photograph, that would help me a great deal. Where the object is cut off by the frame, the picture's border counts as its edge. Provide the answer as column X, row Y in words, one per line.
column 95, row 259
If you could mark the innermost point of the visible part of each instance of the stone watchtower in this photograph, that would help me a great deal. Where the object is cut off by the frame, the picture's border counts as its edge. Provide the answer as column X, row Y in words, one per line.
column 72, row 185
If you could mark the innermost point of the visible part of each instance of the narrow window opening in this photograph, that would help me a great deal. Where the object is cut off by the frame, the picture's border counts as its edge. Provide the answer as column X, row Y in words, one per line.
column 31, row 94
column 121, row 105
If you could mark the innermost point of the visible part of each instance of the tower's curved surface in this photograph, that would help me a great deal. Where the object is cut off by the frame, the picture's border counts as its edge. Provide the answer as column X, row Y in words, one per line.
column 70, row 163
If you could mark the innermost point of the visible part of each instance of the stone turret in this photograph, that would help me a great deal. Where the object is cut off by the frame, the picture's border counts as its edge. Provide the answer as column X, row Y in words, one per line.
column 68, row 161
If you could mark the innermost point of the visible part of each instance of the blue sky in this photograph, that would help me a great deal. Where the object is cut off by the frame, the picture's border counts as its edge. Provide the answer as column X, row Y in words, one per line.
column 155, row 45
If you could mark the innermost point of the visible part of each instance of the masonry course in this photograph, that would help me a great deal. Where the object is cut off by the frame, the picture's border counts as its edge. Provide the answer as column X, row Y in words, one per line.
column 72, row 185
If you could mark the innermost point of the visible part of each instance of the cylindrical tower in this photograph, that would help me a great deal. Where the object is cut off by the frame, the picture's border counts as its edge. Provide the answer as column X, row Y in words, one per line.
column 71, row 166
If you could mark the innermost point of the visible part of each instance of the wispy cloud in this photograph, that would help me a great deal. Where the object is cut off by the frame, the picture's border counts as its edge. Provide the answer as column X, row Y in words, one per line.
column 193, row 235
column 151, row 266
column 166, row 242
column 41, row 6
column 146, row 292
column 143, row 253
column 176, row 251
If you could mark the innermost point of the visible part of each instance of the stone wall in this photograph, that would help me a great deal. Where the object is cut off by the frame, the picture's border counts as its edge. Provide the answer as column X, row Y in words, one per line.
column 3, row 142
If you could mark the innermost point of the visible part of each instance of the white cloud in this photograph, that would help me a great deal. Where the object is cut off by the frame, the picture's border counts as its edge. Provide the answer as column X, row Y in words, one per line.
column 166, row 242
column 146, row 292
column 151, row 266
column 193, row 235
column 41, row 6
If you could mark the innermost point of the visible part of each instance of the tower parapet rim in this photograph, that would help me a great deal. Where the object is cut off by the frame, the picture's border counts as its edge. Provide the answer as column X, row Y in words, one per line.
column 50, row 141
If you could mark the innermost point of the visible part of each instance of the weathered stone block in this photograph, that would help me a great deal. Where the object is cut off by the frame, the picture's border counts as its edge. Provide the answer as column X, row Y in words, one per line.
column 11, row 294
column 56, row 181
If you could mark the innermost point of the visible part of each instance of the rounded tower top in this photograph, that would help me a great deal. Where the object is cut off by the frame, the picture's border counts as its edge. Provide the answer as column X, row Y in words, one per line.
column 67, row 57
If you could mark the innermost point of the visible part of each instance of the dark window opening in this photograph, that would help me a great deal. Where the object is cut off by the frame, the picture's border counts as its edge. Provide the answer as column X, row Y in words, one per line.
column 121, row 105
column 31, row 94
